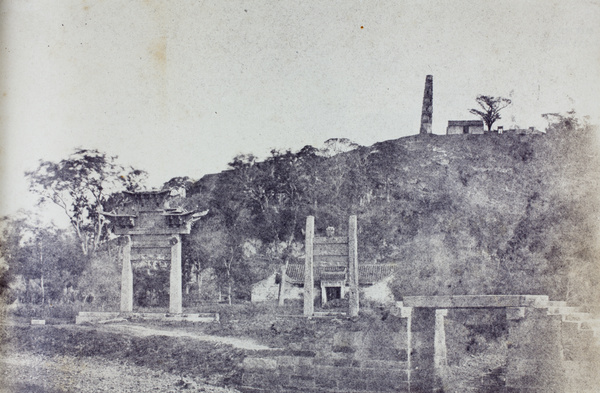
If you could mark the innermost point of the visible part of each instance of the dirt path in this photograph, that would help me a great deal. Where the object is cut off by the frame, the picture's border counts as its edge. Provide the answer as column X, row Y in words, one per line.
column 144, row 331
column 26, row 372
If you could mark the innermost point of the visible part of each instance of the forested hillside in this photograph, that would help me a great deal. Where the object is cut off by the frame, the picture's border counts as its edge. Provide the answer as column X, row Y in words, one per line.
column 460, row 214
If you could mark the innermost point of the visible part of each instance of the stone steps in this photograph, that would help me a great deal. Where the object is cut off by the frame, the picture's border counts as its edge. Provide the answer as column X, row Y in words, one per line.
column 555, row 303
column 576, row 316
column 581, row 326
column 577, row 324
column 562, row 310
column 593, row 324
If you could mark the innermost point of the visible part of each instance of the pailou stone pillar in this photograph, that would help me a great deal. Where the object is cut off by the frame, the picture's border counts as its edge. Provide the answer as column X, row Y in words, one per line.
column 353, row 265
column 151, row 232
column 175, row 295
column 126, row 275
column 440, row 351
column 309, row 307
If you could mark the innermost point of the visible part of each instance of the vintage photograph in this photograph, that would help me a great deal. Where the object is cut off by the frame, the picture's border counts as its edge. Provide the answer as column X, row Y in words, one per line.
column 281, row 196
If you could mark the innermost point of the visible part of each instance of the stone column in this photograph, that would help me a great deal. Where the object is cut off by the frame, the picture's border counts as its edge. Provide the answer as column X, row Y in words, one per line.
column 175, row 295
column 126, row 275
column 282, row 285
column 422, row 360
column 427, row 111
column 353, row 265
column 309, row 307
column 406, row 312
column 440, row 351
column 535, row 353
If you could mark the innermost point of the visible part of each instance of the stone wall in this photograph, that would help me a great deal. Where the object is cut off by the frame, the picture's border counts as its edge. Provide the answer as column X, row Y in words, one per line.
column 342, row 356
column 503, row 343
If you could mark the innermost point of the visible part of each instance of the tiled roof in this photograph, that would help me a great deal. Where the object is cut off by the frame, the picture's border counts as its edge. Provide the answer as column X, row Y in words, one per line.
column 462, row 123
column 367, row 274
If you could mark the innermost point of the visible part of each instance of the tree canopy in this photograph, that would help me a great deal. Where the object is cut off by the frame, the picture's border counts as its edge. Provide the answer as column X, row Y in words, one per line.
column 491, row 107
column 82, row 186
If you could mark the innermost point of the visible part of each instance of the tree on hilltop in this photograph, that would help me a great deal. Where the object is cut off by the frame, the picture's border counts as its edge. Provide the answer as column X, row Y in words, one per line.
column 491, row 108
column 82, row 186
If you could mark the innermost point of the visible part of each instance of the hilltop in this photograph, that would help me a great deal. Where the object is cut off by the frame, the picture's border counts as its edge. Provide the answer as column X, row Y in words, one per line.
column 460, row 214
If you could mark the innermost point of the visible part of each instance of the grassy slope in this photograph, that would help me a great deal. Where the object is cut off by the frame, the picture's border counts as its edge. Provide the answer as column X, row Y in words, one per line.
column 466, row 214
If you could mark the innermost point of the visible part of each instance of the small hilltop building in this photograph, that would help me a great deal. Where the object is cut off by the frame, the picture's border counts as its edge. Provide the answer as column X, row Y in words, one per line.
column 456, row 127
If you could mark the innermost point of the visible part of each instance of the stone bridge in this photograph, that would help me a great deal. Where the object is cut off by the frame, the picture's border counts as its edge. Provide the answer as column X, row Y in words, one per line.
column 545, row 342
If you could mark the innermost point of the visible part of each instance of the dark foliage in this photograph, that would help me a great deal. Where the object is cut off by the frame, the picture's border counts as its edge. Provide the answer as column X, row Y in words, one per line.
column 472, row 214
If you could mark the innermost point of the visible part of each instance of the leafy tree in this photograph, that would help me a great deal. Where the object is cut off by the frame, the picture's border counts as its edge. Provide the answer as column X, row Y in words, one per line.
column 179, row 185
column 196, row 257
column 335, row 146
column 490, row 108
column 40, row 252
column 81, row 186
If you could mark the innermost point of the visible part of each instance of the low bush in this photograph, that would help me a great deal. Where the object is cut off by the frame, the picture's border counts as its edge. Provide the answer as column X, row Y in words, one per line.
column 45, row 311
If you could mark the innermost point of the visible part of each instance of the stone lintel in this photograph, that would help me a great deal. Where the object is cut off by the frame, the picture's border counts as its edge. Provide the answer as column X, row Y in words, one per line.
column 476, row 301
column 331, row 240
column 183, row 230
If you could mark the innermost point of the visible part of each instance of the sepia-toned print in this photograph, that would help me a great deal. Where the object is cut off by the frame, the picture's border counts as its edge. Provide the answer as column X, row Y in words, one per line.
column 282, row 196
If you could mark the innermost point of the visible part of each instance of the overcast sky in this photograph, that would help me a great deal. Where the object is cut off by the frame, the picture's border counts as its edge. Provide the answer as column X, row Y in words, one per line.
column 179, row 90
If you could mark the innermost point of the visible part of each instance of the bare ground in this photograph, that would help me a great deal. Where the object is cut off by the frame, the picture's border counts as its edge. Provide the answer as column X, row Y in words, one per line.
column 32, row 373
column 77, row 358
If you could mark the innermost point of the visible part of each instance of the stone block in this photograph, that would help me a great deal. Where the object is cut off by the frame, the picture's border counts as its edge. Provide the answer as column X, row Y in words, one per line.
column 93, row 317
column 475, row 301
column 342, row 362
column 352, row 382
column 331, row 240
column 329, row 360
column 305, row 371
column 344, row 349
column 259, row 364
column 325, row 382
column 270, row 380
column 384, row 364
column 395, row 376
column 387, row 385
column 340, row 249
column 306, row 361
column 336, row 373
column 287, row 361
column 303, row 353
column 301, row 382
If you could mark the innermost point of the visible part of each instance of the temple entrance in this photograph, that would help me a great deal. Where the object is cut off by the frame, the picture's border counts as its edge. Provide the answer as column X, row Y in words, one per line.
column 332, row 293
column 331, row 267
